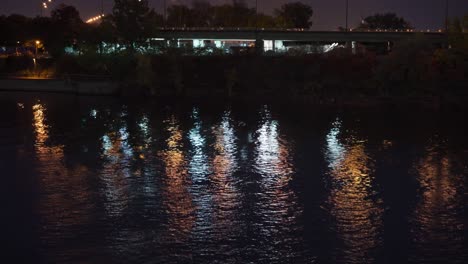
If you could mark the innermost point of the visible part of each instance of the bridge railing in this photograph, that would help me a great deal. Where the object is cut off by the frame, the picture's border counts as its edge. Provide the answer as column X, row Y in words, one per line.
column 230, row 29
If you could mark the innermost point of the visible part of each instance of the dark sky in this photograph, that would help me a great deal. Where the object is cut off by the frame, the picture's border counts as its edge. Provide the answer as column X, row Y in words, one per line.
column 328, row 14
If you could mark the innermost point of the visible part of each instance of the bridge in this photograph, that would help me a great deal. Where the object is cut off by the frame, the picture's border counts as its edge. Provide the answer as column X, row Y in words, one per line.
column 298, row 35
column 280, row 40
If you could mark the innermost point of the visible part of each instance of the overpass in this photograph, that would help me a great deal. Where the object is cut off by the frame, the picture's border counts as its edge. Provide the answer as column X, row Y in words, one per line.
column 297, row 35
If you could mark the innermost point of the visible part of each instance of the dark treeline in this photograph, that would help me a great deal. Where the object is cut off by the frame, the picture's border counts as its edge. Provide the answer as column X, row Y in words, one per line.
column 238, row 14
column 413, row 67
column 384, row 21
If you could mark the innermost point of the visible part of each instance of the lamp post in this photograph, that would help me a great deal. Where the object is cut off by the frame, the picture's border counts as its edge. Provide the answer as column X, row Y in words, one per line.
column 37, row 44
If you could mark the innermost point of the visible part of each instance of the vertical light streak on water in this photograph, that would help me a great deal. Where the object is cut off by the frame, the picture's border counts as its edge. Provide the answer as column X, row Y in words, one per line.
column 65, row 199
column 147, row 169
column 438, row 216
column 177, row 201
column 117, row 156
column 199, row 169
column 278, row 205
column 226, row 194
column 199, row 166
column 357, row 216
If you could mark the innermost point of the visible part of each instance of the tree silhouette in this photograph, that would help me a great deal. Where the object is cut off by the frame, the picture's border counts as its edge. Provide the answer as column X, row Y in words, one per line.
column 296, row 15
column 387, row 21
column 131, row 20
column 67, row 28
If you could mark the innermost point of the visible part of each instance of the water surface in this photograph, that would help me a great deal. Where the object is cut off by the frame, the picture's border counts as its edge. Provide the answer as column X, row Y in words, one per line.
column 95, row 180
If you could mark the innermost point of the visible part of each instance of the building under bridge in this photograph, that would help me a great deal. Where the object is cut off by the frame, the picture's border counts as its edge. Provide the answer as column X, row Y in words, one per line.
column 282, row 40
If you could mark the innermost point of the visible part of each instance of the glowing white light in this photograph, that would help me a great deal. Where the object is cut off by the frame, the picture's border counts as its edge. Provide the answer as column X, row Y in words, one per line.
column 199, row 166
column 106, row 143
column 335, row 150
column 268, row 45
column 93, row 113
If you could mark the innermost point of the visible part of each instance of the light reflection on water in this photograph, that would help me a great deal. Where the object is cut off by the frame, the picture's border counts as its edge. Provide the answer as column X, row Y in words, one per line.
column 116, row 168
column 441, row 200
column 207, row 186
column 66, row 200
column 351, row 202
column 177, row 199
column 278, row 207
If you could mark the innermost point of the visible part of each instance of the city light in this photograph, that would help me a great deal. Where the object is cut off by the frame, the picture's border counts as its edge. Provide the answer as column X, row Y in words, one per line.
column 94, row 19
column 44, row 4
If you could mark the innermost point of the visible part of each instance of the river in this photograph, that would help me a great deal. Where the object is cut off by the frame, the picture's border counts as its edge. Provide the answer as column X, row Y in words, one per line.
column 94, row 180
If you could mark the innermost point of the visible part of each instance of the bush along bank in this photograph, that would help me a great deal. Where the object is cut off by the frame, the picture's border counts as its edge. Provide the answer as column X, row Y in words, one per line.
column 412, row 69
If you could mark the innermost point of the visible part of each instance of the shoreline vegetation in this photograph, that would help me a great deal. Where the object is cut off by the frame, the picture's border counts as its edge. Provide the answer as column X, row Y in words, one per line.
column 413, row 69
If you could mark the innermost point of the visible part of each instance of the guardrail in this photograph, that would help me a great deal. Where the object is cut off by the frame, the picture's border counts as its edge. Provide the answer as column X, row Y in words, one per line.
column 249, row 29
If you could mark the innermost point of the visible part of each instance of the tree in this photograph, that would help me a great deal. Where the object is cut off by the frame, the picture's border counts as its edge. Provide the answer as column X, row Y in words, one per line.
column 465, row 24
column 15, row 28
column 455, row 26
column 265, row 21
column 40, row 29
column 131, row 18
column 67, row 27
column 387, row 21
column 296, row 15
column 179, row 16
column 202, row 13
column 457, row 37
column 3, row 27
column 235, row 15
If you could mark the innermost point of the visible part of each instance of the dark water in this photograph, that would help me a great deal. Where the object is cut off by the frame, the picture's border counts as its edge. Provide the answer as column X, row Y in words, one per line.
column 100, row 180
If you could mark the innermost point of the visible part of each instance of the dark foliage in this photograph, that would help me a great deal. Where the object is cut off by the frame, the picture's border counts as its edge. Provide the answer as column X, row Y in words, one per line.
column 387, row 21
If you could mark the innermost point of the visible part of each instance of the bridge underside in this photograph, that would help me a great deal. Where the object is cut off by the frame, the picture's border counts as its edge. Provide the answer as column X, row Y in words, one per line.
column 314, row 41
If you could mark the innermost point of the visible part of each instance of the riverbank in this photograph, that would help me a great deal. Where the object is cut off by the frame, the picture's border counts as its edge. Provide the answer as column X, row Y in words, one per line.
column 411, row 71
column 43, row 88
column 53, row 85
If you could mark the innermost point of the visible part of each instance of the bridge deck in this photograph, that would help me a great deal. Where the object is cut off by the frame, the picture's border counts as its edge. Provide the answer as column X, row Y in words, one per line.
column 314, row 36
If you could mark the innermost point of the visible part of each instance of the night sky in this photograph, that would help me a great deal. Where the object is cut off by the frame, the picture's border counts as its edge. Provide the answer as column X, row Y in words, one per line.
column 328, row 14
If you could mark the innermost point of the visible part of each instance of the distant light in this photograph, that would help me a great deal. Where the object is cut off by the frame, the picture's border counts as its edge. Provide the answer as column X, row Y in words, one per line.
column 93, row 113
column 94, row 19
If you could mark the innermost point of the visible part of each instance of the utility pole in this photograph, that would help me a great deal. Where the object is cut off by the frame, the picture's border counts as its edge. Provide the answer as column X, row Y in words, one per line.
column 164, row 16
column 256, row 15
column 258, row 42
column 446, row 16
column 347, row 10
column 102, row 7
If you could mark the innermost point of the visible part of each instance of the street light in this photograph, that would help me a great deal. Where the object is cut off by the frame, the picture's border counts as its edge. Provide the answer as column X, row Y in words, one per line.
column 37, row 44
column 44, row 5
